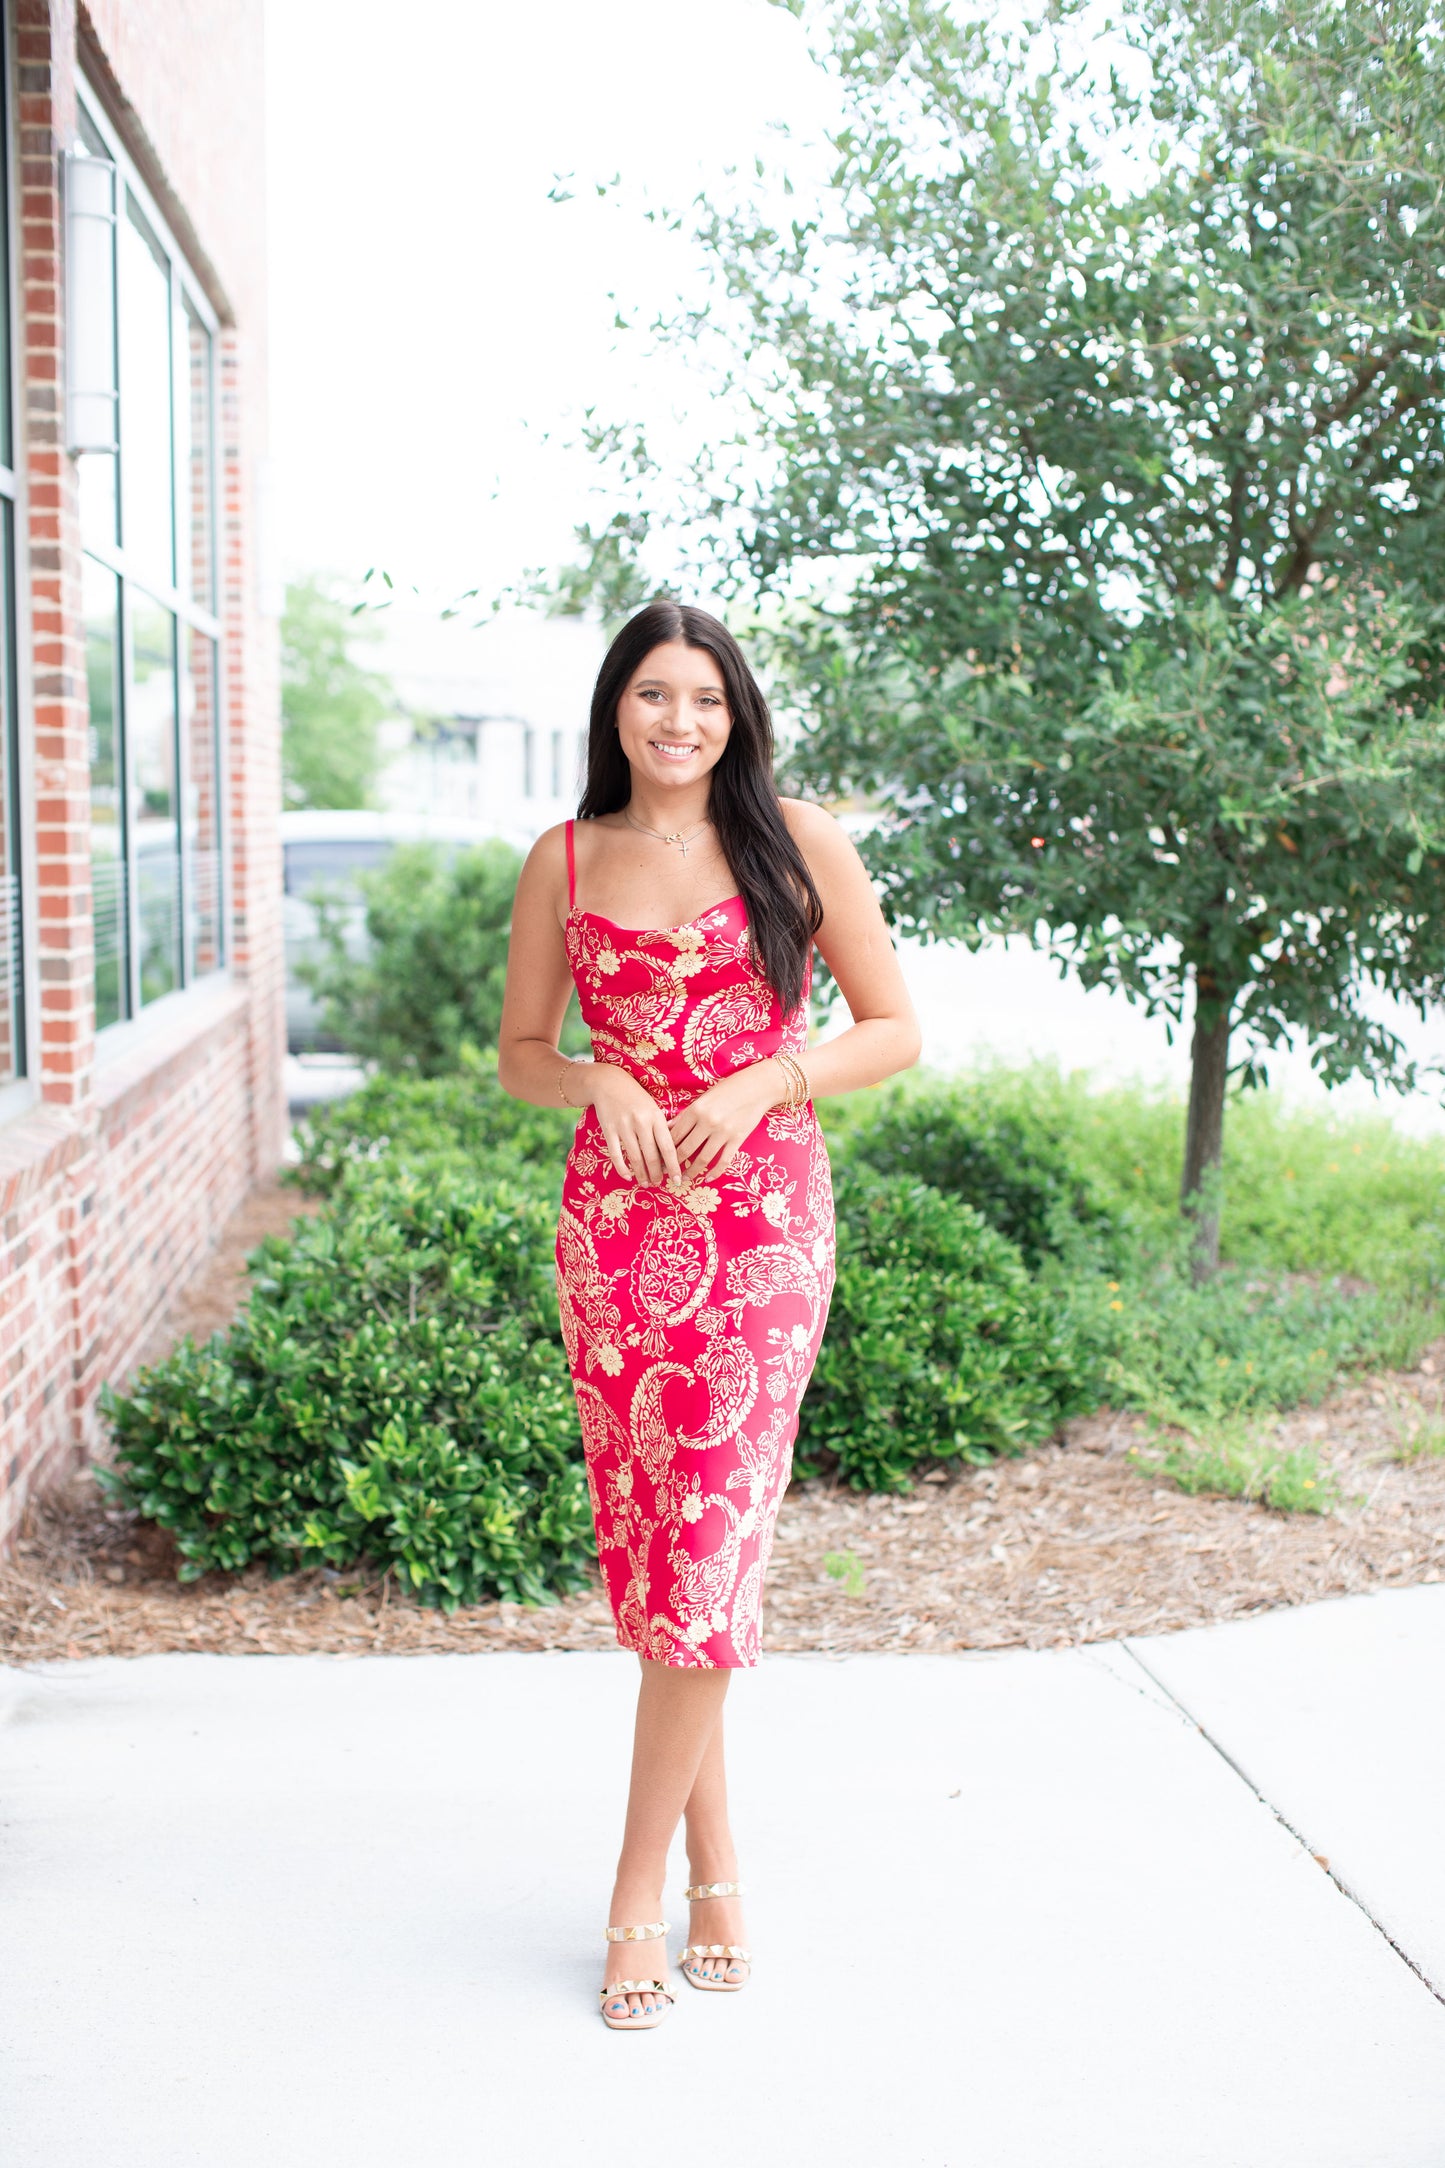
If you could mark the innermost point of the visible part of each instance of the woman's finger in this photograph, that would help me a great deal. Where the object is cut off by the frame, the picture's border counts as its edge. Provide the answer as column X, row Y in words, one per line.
column 616, row 1154
column 671, row 1160
column 680, row 1129
column 647, row 1155
column 696, row 1154
column 704, row 1160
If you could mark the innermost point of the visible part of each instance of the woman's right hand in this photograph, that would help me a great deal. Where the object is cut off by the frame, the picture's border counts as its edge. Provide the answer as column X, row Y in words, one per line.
column 634, row 1127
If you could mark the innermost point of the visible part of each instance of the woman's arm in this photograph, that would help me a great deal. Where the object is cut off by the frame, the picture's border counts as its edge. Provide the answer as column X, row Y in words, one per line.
column 531, row 1065
column 857, row 947
column 855, row 944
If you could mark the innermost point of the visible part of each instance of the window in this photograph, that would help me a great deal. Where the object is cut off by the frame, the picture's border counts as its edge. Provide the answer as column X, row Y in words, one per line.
column 12, row 951
column 142, row 429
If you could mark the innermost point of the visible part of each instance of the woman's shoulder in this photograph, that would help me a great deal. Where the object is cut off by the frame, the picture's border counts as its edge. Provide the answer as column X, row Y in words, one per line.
column 818, row 833
column 807, row 821
column 550, row 848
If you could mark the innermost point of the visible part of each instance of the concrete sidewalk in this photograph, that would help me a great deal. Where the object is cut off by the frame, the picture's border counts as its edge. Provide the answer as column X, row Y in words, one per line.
column 260, row 1910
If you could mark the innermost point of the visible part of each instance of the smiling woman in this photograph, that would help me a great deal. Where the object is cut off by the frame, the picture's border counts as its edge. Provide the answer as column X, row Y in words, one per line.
column 695, row 1245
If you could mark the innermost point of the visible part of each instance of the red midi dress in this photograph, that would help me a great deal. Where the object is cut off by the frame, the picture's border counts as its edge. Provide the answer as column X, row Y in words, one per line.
column 692, row 1319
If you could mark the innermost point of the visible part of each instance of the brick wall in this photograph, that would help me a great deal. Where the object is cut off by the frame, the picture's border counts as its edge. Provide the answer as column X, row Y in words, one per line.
column 117, row 1183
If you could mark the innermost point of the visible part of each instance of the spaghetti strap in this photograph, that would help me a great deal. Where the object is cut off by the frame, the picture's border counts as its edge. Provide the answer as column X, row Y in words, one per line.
column 571, row 869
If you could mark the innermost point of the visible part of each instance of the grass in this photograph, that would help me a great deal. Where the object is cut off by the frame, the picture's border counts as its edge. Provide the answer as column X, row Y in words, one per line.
column 1230, row 1461
column 1333, row 1236
column 1305, row 1191
column 1424, row 1440
column 847, row 1567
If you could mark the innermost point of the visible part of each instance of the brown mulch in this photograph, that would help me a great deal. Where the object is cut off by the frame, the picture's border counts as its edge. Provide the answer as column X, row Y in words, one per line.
column 1070, row 1544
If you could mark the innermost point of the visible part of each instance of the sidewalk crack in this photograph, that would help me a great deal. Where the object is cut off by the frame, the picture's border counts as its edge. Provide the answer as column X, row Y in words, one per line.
column 1284, row 1821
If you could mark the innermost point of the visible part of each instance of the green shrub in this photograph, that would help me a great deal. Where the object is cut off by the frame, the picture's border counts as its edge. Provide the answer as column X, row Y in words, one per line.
column 940, row 1345
column 1247, row 1343
column 1003, row 1157
column 1305, row 1190
column 396, row 1392
column 431, row 978
column 454, row 1124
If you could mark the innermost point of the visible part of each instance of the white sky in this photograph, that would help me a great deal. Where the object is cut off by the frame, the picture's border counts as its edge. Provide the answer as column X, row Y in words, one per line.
column 438, row 327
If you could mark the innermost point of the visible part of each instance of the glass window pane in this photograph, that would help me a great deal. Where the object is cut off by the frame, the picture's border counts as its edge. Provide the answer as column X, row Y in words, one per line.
column 193, row 461
column 154, row 811
column 200, row 739
column 146, row 475
column 107, row 856
column 95, row 480
column 12, row 981
column 90, row 333
column 7, row 448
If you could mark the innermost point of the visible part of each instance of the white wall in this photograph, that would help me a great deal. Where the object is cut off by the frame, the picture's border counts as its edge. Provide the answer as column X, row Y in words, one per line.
column 527, row 682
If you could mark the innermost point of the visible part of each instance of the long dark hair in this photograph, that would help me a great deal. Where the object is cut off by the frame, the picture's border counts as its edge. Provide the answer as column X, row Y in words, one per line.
column 784, row 907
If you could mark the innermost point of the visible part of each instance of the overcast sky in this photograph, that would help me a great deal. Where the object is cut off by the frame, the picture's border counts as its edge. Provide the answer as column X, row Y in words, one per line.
column 438, row 326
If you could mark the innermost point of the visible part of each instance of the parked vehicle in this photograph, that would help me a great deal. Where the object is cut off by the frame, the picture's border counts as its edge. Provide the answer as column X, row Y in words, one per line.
column 327, row 853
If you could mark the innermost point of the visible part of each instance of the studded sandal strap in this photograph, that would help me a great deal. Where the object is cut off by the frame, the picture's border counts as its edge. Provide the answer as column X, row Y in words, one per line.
column 699, row 1890
column 635, row 1987
column 717, row 1949
column 652, row 1933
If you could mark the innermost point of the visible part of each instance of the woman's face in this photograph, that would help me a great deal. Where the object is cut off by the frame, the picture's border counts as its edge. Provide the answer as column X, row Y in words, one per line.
column 672, row 718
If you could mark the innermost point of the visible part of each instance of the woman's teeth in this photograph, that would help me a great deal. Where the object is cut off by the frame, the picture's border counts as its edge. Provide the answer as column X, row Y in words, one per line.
column 672, row 752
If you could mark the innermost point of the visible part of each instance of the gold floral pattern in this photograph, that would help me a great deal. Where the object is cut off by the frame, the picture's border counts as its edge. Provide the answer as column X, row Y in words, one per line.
column 692, row 1320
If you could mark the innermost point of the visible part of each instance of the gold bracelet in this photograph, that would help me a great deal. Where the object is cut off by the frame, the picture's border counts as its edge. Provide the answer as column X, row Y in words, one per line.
column 799, row 1091
column 561, row 1090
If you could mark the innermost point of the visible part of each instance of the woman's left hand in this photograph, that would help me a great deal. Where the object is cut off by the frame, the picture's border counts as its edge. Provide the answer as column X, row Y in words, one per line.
column 707, row 1134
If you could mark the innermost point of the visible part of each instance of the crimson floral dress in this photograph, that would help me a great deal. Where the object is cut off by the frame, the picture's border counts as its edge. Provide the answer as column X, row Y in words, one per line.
column 692, row 1320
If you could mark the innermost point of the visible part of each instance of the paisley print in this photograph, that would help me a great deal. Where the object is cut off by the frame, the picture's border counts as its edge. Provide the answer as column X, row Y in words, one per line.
column 691, row 1321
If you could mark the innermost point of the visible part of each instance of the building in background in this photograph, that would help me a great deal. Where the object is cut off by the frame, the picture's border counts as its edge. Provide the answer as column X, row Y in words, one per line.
column 140, row 954
column 494, row 727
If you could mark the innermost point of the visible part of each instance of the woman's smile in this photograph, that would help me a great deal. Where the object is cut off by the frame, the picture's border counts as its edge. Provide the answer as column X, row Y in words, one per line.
column 672, row 748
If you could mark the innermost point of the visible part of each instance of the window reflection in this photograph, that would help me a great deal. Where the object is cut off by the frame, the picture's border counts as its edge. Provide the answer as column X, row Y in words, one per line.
column 200, row 745
column 155, row 823
column 193, row 461
column 157, row 793
column 12, row 984
column 146, row 474
column 91, row 328
column 107, row 836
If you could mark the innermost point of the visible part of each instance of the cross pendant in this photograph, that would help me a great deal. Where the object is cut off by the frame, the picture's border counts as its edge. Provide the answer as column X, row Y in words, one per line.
column 680, row 841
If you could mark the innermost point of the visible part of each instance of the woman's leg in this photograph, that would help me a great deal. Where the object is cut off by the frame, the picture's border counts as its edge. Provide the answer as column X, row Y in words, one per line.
column 711, row 1858
column 677, row 1713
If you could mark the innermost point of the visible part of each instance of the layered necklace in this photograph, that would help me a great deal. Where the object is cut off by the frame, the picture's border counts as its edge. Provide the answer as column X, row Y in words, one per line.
column 680, row 836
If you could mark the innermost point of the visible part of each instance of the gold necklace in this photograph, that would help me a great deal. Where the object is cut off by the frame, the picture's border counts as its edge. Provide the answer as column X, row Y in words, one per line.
column 678, row 836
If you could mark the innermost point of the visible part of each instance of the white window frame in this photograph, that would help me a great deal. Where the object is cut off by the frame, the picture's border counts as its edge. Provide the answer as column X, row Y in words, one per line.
column 118, row 1038
column 21, row 1093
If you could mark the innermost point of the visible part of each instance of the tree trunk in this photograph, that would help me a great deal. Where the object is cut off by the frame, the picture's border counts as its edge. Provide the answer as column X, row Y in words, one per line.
column 1199, row 1193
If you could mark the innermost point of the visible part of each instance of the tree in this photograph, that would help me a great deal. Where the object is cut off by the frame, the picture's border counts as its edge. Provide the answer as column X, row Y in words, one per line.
column 1101, row 435
column 331, row 706
column 431, row 976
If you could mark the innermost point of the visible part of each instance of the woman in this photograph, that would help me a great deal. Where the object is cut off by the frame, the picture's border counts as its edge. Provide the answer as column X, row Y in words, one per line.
column 695, row 1246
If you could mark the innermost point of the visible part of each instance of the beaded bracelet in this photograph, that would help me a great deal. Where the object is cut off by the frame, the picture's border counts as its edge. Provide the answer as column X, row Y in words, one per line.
column 561, row 1087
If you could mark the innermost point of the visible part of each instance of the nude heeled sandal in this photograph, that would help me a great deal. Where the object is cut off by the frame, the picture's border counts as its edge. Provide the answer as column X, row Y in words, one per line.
column 645, row 2020
column 733, row 1951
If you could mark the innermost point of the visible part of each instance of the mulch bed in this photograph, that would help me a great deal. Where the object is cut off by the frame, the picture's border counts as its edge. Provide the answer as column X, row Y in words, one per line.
column 1070, row 1544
